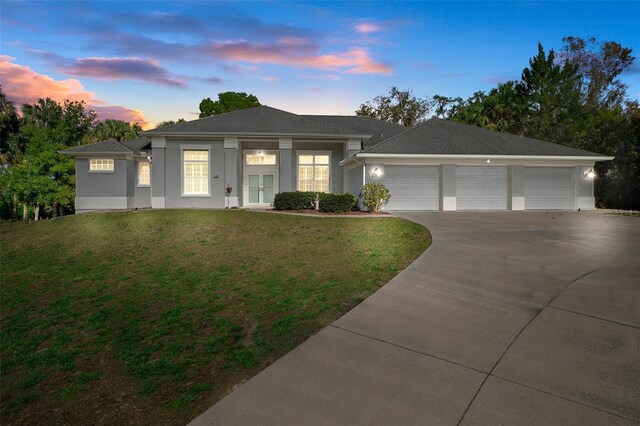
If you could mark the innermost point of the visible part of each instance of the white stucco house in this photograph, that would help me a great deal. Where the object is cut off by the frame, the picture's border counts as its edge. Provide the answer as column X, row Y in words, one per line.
column 258, row 152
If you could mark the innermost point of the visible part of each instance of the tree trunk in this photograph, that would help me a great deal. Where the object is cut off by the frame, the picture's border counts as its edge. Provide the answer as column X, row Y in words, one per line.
column 37, row 213
column 25, row 213
column 14, row 206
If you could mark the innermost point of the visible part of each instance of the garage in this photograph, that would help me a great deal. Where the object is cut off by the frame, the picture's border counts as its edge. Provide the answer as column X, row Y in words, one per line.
column 548, row 188
column 481, row 188
column 413, row 187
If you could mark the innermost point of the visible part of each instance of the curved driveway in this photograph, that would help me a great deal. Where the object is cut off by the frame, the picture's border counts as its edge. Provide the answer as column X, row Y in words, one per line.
column 509, row 318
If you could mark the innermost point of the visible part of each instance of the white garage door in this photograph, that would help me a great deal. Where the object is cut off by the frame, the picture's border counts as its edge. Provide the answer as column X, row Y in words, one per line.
column 481, row 188
column 548, row 188
column 413, row 187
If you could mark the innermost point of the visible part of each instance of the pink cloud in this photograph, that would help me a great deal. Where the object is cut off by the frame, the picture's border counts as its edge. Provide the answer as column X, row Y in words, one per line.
column 114, row 112
column 367, row 28
column 25, row 86
column 131, row 68
column 299, row 53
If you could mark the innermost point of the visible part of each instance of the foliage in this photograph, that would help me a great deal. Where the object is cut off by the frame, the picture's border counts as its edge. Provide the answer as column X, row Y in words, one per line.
column 336, row 203
column 87, row 312
column 116, row 129
column 574, row 98
column 9, row 127
column 375, row 196
column 396, row 106
column 169, row 122
column 297, row 200
column 38, row 176
column 227, row 102
column 599, row 65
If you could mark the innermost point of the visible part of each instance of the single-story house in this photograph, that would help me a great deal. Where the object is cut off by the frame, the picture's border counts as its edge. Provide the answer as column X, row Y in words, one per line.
column 258, row 152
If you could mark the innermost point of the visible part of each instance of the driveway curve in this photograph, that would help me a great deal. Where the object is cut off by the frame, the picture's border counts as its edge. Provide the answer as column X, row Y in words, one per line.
column 508, row 318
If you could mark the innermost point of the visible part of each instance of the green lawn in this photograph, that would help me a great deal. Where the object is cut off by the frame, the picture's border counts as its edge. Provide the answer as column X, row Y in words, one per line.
column 150, row 317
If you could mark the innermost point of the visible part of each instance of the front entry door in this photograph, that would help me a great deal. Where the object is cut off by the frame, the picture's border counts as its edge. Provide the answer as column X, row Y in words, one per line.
column 261, row 188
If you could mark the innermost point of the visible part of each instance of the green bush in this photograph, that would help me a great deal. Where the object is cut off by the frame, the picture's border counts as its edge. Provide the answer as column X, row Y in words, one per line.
column 336, row 203
column 297, row 200
column 375, row 196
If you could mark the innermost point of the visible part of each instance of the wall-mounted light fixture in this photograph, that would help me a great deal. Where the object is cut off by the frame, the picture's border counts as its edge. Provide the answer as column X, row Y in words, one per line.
column 488, row 161
column 375, row 172
column 590, row 174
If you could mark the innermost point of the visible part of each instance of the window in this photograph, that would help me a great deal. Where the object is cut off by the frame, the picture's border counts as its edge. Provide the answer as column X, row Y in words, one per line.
column 196, row 172
column 313, row 172
column 144, row 174
column 101, row 165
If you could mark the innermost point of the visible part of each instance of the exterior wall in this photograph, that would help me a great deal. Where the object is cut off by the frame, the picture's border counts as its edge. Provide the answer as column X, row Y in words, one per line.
column 105, row 190
column 158, row 168
column 515, row 195
column 174, row 197
column 584, row 189
column 142, row 193
column 447, row 187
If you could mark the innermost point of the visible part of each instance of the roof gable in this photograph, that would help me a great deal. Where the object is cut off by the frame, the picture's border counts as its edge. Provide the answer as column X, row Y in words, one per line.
column 448, row 137
column 378, row 129
column 111, row 146
column 256, row 120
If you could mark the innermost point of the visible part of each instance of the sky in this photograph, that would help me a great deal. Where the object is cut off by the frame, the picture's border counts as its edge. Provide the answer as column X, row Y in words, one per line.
column 149, row 61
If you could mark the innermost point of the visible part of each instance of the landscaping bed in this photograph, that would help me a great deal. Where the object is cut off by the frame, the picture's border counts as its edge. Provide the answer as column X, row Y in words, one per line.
column 151, row 317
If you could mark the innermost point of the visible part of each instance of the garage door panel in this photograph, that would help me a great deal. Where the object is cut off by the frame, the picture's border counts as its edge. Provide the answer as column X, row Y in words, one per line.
column 413, row 187
column 548, row 188
column 481, row 188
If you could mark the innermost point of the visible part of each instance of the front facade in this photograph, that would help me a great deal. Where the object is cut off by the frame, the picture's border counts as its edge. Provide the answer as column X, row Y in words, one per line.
column 243, row 158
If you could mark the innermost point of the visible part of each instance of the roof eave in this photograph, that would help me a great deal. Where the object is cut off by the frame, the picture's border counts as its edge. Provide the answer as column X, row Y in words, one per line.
column 253, row 134
column 476, row 156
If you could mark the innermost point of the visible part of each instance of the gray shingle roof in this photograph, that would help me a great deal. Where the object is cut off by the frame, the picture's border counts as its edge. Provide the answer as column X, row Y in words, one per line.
column 447, row 137
column 378, row 129
column 111, row 147
column 257, row 120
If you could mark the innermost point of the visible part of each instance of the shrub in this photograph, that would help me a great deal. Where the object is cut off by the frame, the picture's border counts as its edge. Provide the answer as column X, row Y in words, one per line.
column 297, row 200
column 375, row 196
column 336, row 203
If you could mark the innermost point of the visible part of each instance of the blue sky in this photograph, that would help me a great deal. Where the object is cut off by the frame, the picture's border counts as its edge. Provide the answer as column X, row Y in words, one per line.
column 153, row 61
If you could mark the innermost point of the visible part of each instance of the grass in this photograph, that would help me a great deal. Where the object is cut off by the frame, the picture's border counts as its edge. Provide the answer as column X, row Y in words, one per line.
column 151, row 317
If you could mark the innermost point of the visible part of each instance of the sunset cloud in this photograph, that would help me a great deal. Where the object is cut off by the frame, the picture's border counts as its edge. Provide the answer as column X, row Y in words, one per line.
column 367, row 28
column 113, row 68
column 25, row 86
column 300, row 53
column 122, row 69
column 121, row 113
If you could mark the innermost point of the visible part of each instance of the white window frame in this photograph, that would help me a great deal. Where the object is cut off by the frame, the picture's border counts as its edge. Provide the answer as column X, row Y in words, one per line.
column 302, row 152
column 148, row 184
column 103, row 162
column 184, row 148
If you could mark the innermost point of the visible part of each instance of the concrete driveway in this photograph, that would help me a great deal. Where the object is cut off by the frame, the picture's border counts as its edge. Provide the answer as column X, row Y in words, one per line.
column 509, row 318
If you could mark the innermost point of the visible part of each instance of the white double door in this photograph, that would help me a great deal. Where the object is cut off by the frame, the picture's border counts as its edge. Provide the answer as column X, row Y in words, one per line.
column 260, row 185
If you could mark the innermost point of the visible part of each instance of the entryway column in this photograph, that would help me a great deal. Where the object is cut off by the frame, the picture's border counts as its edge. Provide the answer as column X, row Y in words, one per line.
column 448, row 187
column 231, row 170
column 286, row 164
column 158, row 172
column 515, row 197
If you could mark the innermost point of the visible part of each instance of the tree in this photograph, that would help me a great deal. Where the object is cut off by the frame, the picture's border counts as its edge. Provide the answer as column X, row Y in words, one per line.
column 169, row 122
column 600, row 65
column 396, row 106
column 9, row 127
column 116, row 129
column 552, row 90
column 227, row 102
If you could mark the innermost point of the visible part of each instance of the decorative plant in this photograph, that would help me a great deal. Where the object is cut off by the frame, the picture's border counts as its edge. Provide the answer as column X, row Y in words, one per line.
column 375, row 196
